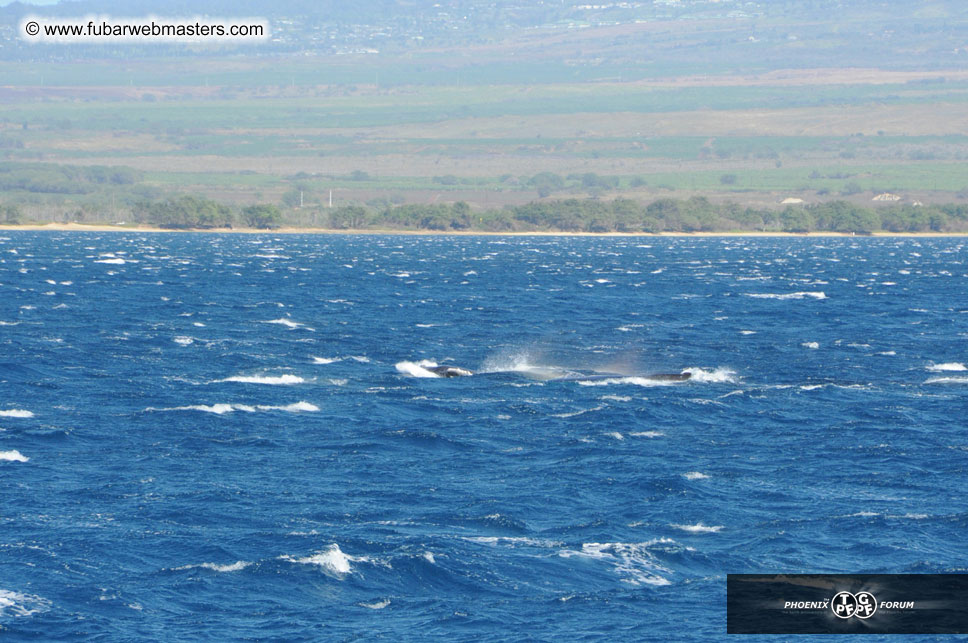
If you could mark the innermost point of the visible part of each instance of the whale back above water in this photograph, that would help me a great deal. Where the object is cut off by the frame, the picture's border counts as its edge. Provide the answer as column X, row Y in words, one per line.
column 456, row 371
column 657, row 377
column 449, row 371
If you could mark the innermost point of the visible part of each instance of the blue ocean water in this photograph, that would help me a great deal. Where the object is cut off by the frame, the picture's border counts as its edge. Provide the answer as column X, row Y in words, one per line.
column 223, row 437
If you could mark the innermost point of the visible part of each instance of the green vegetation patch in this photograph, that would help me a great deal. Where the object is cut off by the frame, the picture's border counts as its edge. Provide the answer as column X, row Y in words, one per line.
column 63, row 179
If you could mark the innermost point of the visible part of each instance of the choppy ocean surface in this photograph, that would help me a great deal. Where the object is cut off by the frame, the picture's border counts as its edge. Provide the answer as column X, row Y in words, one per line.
column 218, row 437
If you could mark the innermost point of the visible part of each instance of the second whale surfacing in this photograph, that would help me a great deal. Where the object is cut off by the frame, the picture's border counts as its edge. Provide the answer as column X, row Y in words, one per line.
column 449, row 371
column 670, row 377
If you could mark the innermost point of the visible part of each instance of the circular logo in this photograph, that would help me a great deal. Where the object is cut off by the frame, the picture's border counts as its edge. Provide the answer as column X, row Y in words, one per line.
column 866, row 604
column 846, row 605
column 32, row 28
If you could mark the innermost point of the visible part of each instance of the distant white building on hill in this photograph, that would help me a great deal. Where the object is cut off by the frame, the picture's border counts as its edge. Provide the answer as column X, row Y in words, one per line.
column 886, row 196
column 791, row 200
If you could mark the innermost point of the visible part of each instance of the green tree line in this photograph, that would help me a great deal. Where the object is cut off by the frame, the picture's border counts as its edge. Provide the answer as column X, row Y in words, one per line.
column 696, row 214
column 191, row 212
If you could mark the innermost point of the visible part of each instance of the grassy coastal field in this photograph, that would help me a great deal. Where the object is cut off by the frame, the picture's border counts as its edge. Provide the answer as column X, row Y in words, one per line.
column 498, row 123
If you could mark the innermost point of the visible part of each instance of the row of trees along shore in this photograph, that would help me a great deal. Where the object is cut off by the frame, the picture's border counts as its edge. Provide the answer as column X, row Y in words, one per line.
column 696, row 214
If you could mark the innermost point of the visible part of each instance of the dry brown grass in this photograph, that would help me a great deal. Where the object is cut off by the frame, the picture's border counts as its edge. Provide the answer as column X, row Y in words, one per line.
column 107, row 144
column 909, row 120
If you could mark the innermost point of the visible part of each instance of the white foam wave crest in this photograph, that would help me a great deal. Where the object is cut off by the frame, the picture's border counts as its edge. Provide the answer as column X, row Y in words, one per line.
column 376, row 605
column 234, row 567
column 694, row 475
column 113, row 260
column 221, row 409
column 184, row 340
column 647, row 434
column 218, row 409
column 274, row 380
column 789, row 295
column 699, row 528
column 872, row 514
column 617, row 398
column 513, row 541
column 947, row 380
column 636, row 381
column 16, row 413
column 811, row 345
column 326, row 360
column 288, row 323
column 13, row 456
column 632, row 561
column 332, row 561
column 295, row 407
column 417, row 369
column 700, row 375
column 949, row 366
column 17, row 604
column 577, row 413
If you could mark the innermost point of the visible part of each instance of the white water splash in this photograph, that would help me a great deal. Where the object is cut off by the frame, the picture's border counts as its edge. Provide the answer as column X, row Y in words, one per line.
column 947, row 367
column 273, row 380
column 631, row 561
column 16, row 413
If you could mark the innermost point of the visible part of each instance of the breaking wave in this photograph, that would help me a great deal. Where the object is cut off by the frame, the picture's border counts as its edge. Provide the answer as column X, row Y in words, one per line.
column 17, row 604
column 633, row 562
column 948, row 367
column 789, row 295
column 332, row 561
column 221, row 409
column 699, row 528
column 700, row 375
column 275, row 380
column 16, row 413
column 376, row 605
column 288, row 323
column 234, row 567
column 947, row 380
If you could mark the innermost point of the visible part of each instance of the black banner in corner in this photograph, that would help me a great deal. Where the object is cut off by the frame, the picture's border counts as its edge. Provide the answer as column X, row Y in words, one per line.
column 847, row 603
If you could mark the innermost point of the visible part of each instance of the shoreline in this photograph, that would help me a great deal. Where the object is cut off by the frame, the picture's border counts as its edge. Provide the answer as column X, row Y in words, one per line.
column 101, row 227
